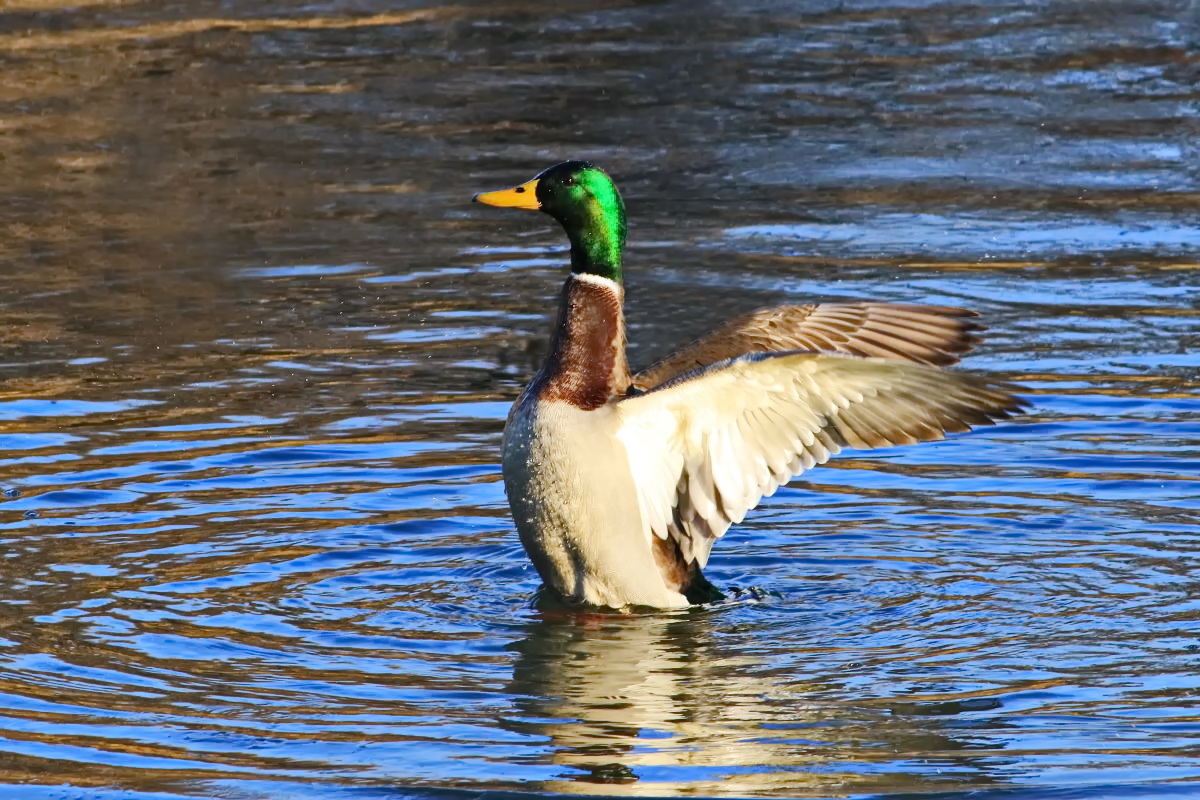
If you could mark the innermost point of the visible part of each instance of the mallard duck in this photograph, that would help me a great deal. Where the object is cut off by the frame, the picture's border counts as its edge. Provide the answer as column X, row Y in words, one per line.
column 620, row 483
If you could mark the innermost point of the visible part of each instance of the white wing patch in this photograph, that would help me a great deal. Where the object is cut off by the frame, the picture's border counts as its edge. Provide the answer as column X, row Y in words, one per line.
column 707, row 447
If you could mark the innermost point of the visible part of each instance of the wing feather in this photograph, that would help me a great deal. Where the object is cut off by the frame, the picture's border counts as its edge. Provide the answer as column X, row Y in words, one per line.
column 707, row 446
column 936, row 335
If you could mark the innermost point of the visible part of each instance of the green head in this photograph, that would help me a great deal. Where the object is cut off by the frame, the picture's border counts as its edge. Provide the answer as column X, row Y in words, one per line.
column 586, row 203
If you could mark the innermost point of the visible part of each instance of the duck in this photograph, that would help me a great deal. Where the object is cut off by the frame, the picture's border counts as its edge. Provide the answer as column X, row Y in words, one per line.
column 620, row 483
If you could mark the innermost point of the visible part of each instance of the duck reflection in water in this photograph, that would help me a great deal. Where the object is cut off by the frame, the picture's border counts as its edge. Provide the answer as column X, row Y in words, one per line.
column 655, row 704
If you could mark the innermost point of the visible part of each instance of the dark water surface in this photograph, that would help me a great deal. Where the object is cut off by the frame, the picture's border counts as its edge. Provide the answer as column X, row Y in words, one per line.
column 257, row 349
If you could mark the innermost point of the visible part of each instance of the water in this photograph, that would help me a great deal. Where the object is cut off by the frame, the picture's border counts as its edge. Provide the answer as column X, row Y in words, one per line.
column 258, row 349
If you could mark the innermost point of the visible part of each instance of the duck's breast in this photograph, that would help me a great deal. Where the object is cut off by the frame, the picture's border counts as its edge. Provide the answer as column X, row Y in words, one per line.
column 569, row 485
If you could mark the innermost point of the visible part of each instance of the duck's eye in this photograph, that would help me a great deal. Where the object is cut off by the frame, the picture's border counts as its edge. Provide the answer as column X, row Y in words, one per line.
column 568, row 181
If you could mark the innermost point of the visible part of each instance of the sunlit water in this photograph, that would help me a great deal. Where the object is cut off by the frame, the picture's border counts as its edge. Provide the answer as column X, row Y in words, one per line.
column 258, row 349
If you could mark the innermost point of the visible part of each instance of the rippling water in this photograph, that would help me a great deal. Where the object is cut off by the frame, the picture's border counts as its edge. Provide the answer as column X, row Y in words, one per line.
column 258, row 349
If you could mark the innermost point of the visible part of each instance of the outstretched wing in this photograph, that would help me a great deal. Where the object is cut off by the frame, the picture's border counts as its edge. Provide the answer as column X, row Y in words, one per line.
column 706, row 447
column 921, row 334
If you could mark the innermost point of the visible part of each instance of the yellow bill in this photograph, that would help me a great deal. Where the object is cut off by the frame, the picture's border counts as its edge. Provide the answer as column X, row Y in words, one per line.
column 523, row 196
